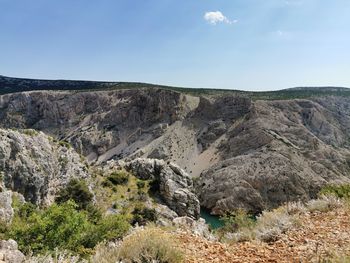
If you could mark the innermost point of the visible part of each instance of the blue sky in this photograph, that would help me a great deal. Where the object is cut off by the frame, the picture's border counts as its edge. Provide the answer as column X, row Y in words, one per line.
column 236, row 44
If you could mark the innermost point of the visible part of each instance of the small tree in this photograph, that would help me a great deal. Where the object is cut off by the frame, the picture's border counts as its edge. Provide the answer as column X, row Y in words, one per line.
column 78, row 191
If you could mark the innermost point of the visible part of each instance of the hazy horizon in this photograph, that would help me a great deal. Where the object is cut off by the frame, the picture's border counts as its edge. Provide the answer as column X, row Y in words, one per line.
column 248, row 45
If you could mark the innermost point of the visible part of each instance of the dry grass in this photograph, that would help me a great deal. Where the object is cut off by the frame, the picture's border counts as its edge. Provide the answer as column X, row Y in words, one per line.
column 268, row 227
column 324, row 204
column 56, row 257
column 146, row 245
column 339, row 259
column 271, row 224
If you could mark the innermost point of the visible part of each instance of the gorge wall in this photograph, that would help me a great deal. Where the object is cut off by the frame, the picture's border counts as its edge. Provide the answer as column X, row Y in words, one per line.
column 254, row 154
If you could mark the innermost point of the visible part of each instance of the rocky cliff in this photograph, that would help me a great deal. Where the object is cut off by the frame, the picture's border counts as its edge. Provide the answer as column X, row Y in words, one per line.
column 246, row 153
column 36, row 166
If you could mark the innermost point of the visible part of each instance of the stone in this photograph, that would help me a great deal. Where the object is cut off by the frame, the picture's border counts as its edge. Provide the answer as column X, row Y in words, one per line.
column 6, row 210
column 174, row 186
column 196, row 227
column 9, row 252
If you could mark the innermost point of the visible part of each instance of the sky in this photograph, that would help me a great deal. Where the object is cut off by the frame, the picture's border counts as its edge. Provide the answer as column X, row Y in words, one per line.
column 230, row 44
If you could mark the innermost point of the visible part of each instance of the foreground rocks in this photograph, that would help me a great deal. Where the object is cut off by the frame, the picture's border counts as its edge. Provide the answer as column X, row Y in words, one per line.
column 9, row 252
column 174, row 186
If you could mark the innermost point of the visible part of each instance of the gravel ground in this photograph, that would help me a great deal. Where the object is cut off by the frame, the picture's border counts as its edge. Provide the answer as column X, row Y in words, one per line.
column 320, row 237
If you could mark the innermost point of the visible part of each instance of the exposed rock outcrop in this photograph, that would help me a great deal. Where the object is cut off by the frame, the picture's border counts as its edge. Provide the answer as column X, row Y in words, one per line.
column 9, row 252
column 174, row 186
column 196, row 227
column 98, row 124
column 6, row 210
column 275, row 156
column 36, row 166
column 247, row 153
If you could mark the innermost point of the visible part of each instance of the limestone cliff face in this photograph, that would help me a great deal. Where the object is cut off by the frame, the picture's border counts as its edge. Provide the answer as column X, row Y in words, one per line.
column 282, row 151
column 32, row 164
column 94, row 122
column 252, row 154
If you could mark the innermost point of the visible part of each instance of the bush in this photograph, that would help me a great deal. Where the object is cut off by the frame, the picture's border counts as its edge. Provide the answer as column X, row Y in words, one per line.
column 144, row 246
column 235, row 225
column 143, row 215
column 109, row 184
column 340, row 191
column 63, row 227
column 30, row 132
column 237, row 220
column 65, row 144
column 268, row 226
column 57, row 227
column 78, row 191
column 110, row 227
column 140, row 184
column 117, row 178
column 324, row 204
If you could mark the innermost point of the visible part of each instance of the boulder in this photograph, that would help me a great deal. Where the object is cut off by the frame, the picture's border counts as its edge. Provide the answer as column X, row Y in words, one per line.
column 196, row 227
column 9, row 252
column 6, row 210
column 174, row 186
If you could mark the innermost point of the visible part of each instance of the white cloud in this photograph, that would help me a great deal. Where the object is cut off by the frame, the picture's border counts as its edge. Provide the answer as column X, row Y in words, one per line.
column 217, row 17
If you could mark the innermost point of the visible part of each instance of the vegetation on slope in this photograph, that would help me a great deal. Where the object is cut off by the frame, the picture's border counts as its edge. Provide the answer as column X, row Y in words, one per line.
column 75, row 222
column 72, row 224
column 12, row 85
column 147, row 245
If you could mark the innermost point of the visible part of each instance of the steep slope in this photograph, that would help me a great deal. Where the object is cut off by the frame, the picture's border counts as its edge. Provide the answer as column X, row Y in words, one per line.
column 247, row 153
column 32, row 164
column 282, row 151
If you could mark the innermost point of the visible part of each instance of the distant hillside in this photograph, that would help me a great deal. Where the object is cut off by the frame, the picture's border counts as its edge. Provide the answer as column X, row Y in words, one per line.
column 12, row 85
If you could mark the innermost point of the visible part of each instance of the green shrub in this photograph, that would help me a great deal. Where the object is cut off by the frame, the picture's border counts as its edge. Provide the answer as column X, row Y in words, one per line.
column 60, row 226
column 143, row 215
column 110, row 227
column 267, row 227
column 107, row 183
column 140, row 184
column 78, row 191
column 26, row 210
column 236, row 220
column 117, row 178
column 65, row 144
column 94, row 214
column 340, row 191
column 30, row 132
column 63, row 227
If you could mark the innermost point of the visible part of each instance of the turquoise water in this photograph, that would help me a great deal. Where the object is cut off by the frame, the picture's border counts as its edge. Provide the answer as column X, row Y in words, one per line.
column 213, row 221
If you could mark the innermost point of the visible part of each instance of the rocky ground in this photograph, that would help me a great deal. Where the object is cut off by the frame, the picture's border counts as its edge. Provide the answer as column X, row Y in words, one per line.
column 321, row 236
